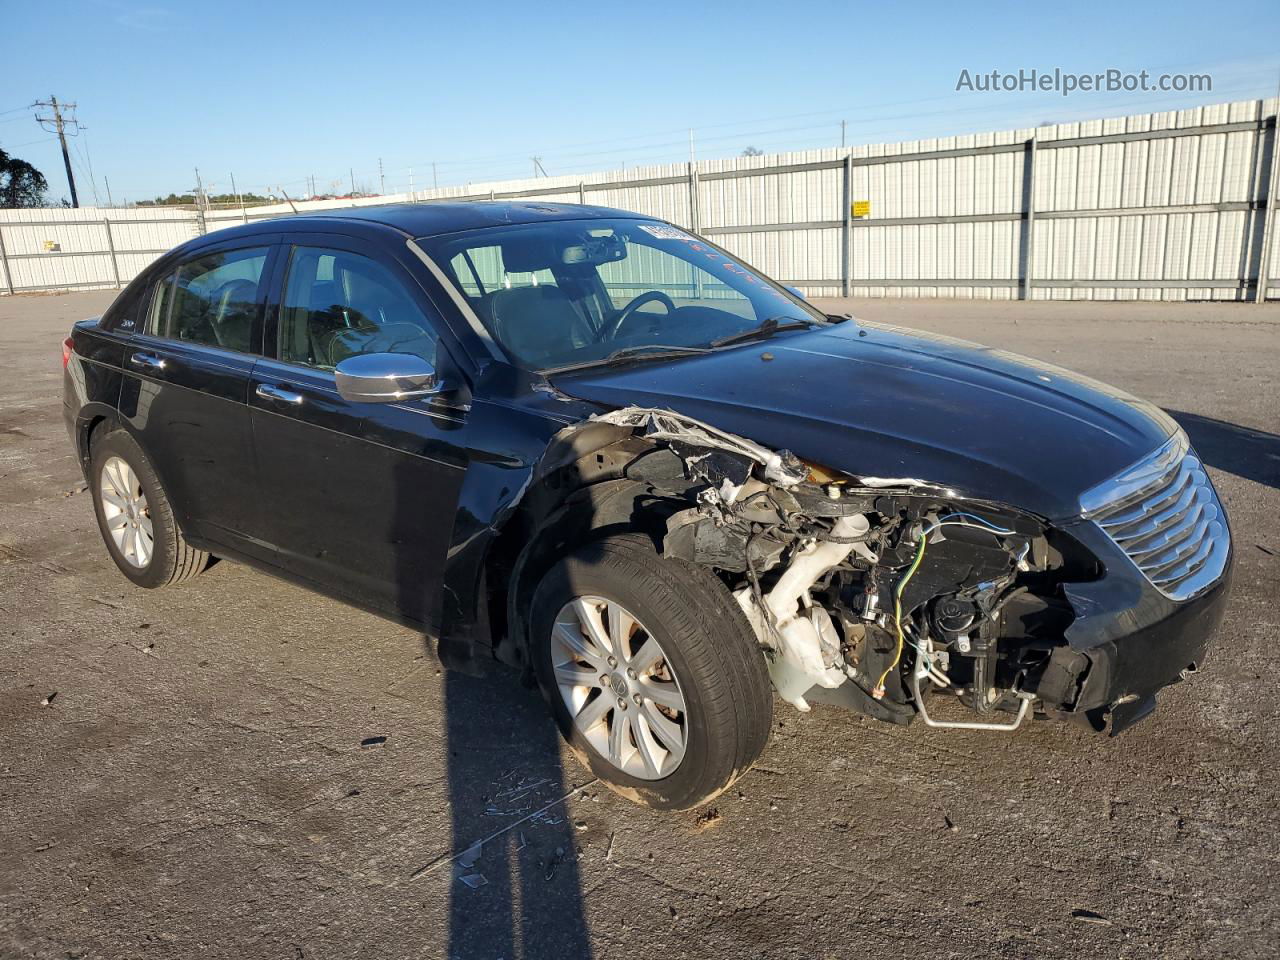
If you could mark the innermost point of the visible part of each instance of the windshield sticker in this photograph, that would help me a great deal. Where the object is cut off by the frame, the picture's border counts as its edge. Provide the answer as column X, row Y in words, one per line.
column 664, row 232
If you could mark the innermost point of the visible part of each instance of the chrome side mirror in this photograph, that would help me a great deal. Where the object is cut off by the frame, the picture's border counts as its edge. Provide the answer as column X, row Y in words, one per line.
column 385, row 377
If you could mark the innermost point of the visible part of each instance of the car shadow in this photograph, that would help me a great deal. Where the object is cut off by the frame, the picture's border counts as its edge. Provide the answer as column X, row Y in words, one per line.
column 512, row 865
column 519, row 893
column 1243, row 451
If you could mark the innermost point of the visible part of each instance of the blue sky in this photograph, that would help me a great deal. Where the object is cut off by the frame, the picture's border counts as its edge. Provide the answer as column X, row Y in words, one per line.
column 277, row 92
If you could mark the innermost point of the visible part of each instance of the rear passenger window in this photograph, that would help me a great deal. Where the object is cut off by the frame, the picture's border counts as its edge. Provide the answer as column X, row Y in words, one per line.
column 339, row 304
column 211, row 301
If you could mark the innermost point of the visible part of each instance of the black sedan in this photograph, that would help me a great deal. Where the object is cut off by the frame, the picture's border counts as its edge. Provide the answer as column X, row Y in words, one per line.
column 600, row 449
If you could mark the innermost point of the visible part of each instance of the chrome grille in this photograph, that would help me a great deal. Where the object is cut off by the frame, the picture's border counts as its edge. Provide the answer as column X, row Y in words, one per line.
column 1164, row 514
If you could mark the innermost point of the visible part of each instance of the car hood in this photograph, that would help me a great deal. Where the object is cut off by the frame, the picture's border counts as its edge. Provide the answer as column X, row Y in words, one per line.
column 879, row 401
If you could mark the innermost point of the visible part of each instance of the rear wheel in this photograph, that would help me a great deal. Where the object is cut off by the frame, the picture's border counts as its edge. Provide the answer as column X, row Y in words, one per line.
column 652, row 672
column 135, row 517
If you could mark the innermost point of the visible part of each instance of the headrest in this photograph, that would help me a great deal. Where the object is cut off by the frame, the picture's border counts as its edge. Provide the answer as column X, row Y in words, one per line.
column 527, row 254
column 237, row 287
column 352, row 275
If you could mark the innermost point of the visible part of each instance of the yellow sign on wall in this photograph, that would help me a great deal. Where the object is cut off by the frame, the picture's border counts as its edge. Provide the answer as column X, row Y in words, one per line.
column 861, row 208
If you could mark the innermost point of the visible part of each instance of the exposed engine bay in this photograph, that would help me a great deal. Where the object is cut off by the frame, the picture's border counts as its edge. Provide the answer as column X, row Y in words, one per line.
column 879, row 594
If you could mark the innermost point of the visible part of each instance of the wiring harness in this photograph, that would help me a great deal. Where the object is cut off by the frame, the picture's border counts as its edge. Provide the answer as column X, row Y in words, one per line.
column 951, row 519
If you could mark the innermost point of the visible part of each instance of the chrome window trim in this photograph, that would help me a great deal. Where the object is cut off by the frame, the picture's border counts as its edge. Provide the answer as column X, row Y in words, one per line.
column 208, row 353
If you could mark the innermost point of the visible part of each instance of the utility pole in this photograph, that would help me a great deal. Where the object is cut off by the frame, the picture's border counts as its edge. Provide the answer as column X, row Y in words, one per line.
column 843, row 124
column 201, row 222
column 434, row 181
column 60, row 125
column 411, row 183
column 382, row 180
column 107, row 184
column 537, row 166
column 351, row 170
column 691, row 159
column 244, row 214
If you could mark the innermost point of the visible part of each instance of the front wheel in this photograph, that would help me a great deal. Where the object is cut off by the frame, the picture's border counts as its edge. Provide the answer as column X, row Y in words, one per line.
column 652, row 672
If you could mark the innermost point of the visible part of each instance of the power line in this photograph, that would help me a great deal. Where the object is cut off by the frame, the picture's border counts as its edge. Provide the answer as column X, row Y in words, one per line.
column 862, row 124
column 512, row 161
column 668, row 148
column 752, row 130
column 81, row 160
column 32, row 143
column 88, row 159
column 642, row 146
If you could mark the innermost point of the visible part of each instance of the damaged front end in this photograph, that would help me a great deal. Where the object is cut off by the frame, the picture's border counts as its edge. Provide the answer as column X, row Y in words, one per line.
column 875, row 594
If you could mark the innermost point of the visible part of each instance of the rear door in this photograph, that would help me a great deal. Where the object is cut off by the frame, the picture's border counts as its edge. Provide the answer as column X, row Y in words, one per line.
column 187, row 380
column 357, row 497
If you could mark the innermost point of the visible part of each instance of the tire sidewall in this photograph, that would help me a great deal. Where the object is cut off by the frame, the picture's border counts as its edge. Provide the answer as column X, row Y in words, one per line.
column 120, row 444
column 577, row 576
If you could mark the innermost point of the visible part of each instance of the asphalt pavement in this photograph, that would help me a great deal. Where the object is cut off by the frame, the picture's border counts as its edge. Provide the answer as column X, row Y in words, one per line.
column 240, row 768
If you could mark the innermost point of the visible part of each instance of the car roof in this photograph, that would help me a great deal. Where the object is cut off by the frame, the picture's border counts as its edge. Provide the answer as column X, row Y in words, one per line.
column 408, row 219
column 436, row 217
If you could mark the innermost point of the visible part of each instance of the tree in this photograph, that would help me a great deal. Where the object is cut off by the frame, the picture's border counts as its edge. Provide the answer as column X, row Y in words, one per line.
column 239, row 198
column 21, row 184
column 171, row 200
column 216, row 199
column 753, row 152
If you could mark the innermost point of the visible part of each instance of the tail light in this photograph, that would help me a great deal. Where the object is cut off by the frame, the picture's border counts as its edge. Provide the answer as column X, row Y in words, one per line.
column 67, row 346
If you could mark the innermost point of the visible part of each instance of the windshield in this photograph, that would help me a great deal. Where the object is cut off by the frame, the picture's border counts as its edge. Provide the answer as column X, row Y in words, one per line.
column 575, row 291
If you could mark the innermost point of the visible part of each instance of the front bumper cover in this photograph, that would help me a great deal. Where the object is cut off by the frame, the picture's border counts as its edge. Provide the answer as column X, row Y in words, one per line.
column 1128, row 641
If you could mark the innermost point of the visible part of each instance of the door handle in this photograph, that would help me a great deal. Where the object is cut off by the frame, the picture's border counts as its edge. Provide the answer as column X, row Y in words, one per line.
column 268, row 392
column 147, row 361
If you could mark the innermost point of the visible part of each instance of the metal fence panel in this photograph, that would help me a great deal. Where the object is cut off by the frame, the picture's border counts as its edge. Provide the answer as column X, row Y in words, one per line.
column 1170, row 205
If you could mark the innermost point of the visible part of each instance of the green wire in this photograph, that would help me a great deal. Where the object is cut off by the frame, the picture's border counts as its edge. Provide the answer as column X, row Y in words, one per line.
column 897, row 615
column 878, row 692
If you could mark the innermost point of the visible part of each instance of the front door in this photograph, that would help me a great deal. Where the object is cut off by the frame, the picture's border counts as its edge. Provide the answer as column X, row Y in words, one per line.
column 357, row 497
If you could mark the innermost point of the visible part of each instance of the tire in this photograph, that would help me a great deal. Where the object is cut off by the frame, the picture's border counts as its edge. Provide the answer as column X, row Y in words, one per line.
column 168, row 559
column 710, row 662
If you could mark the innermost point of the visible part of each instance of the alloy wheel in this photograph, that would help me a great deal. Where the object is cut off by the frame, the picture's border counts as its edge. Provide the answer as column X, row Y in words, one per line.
column 125, row 510
column 619, row 687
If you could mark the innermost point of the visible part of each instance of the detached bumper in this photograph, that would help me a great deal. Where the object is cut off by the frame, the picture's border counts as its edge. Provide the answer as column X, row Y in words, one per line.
column 1128, row 641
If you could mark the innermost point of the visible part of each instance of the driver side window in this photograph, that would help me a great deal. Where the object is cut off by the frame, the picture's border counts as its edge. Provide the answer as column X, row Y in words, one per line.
column 646, row 269
column 338, row 304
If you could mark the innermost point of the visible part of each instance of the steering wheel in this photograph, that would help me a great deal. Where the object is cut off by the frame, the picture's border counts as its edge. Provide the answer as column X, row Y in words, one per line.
column 625, row 314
